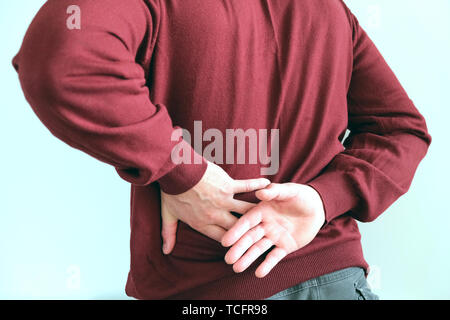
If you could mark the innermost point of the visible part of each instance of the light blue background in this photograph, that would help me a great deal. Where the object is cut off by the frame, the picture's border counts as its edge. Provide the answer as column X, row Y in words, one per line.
column 64, row 217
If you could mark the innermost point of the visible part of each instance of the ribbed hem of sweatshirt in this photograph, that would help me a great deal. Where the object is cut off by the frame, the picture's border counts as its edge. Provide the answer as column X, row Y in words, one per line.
column 288, row 273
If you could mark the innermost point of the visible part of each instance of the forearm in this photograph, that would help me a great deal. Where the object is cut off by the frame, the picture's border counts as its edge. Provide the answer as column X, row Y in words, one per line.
column 388, row 139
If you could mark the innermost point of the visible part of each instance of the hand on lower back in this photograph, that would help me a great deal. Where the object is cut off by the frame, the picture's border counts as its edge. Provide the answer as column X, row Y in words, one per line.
column 288, row 218
column 207, row 206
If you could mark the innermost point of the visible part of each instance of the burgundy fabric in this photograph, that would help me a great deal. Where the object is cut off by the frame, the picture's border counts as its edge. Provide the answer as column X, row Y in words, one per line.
column 136, row 70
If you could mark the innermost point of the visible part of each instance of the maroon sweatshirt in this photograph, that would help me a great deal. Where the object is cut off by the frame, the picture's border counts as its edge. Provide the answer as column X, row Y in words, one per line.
column 119, row 86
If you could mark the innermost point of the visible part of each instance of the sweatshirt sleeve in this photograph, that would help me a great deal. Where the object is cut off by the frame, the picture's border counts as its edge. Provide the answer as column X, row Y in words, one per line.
column 388, row 138
column 88, row 86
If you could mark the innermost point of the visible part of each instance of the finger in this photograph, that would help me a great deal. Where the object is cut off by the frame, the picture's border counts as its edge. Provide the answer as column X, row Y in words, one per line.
column 241, row 207
column 268, row 193
column 272, row 259
column 240, row 247
column 224, row 219
column 252, row 254
column 244, row 224
column 214, row 232
column 168, row 231
column 276, row 191
column 249, row 185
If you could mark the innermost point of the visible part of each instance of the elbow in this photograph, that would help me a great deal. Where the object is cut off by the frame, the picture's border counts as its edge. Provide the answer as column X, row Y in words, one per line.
column 420, row 129
column 418, row 126
column 42, row 84
column 40, row 81
column 426, row 134
column 365, row 217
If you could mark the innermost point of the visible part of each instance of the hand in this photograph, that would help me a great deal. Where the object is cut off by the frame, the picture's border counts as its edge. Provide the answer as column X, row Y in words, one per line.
column 288, row 218
column 206, row 207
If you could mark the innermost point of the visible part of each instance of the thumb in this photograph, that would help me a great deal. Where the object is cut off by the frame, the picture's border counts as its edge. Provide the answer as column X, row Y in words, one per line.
column 168, row 231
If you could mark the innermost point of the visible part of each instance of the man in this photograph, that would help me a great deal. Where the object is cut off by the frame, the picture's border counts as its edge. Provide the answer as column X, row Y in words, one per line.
column 121, row 84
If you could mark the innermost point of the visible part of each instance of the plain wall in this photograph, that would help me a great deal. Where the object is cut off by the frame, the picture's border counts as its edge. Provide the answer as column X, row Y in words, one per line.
column 64, row 217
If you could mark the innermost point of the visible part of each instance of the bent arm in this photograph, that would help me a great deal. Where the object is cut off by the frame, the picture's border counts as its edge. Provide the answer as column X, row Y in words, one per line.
column 88, row 87
column 388, row 139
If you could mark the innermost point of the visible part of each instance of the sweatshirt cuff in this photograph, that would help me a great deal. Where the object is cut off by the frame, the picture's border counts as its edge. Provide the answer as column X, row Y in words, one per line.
column 337, row 193
column 183, row 176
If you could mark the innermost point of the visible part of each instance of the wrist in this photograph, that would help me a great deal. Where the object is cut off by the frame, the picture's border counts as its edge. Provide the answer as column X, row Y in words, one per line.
column 318, row 205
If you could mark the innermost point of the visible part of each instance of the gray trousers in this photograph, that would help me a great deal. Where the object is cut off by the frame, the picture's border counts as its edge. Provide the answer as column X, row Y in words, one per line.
column 345, row 284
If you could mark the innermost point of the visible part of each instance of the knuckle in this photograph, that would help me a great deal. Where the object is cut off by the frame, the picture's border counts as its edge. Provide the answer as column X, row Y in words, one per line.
column 275, row 235
column 209, row 215
column 258, row 217
column 226, row 189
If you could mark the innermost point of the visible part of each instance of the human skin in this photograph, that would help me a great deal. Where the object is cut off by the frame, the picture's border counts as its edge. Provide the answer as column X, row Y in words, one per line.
column 207, row 206
column 288, row 217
